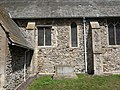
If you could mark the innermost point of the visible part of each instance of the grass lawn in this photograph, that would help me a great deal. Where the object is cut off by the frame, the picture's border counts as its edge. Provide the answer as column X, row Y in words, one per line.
column 84, row 82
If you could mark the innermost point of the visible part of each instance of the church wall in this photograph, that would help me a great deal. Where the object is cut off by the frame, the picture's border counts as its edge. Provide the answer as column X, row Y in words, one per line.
column 12, row 62
column 110, row 53
column 3, row 46
column 61, row 53
column 106, row 60
column 14, row 72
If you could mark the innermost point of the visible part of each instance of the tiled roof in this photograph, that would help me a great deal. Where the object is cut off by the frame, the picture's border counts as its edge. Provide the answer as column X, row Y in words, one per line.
column 15, row 35
column 62, row 8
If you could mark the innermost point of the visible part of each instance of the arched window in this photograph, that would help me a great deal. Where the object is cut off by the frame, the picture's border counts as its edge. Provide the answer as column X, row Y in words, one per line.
column 111, row 34
column 118, row 34
column 74, row 41
column 114, row 34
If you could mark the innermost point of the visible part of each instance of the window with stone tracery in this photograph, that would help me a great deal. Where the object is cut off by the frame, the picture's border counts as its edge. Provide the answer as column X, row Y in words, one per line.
column 114, row 33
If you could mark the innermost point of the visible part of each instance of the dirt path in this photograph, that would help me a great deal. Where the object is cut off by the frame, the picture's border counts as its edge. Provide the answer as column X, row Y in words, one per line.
column 24, row 85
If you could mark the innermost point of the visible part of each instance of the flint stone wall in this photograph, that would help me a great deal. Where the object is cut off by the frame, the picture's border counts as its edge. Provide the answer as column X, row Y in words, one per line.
column 3, row 46
column 60, row 53
column 14, row 67
column 110, row 55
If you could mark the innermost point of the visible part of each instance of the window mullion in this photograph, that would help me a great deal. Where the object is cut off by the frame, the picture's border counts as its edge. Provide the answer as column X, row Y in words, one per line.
column 44, row 36
column 115, row 34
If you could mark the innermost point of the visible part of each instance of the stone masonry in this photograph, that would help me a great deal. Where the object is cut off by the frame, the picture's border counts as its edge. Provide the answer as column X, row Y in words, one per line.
column 106, row 59
column 60, row 52
column 101, row 57
column 110, row 53
column 15, row 63
column 3, row 42
column 15, row 67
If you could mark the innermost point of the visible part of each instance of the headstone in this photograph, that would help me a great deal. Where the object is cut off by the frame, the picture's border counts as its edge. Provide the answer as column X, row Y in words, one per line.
column 64, row 71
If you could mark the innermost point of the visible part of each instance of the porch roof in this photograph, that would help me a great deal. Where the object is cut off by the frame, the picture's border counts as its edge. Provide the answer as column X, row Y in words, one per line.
column 13, row 32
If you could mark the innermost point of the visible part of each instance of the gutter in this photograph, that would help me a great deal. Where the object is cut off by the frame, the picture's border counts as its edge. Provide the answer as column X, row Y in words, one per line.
column 75, row 17
column 19, row 45
column 85, row 45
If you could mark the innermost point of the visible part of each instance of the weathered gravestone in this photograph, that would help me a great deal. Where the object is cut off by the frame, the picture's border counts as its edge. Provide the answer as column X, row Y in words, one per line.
column 64, row 71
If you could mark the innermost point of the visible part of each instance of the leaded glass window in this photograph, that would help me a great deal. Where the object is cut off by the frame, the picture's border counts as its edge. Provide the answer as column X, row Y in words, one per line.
column 44, row 36
column 114, row 33
column 74, row 41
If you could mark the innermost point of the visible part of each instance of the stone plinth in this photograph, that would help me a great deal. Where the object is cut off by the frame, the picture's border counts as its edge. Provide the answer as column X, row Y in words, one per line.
column 64, row 71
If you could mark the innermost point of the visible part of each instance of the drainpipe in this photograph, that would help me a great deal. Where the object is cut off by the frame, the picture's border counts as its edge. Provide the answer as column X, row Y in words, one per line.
column 25, row 64
column 85, row 45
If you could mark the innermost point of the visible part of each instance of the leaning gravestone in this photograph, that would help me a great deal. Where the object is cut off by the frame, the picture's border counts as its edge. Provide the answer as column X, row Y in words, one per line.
column 64, row 71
